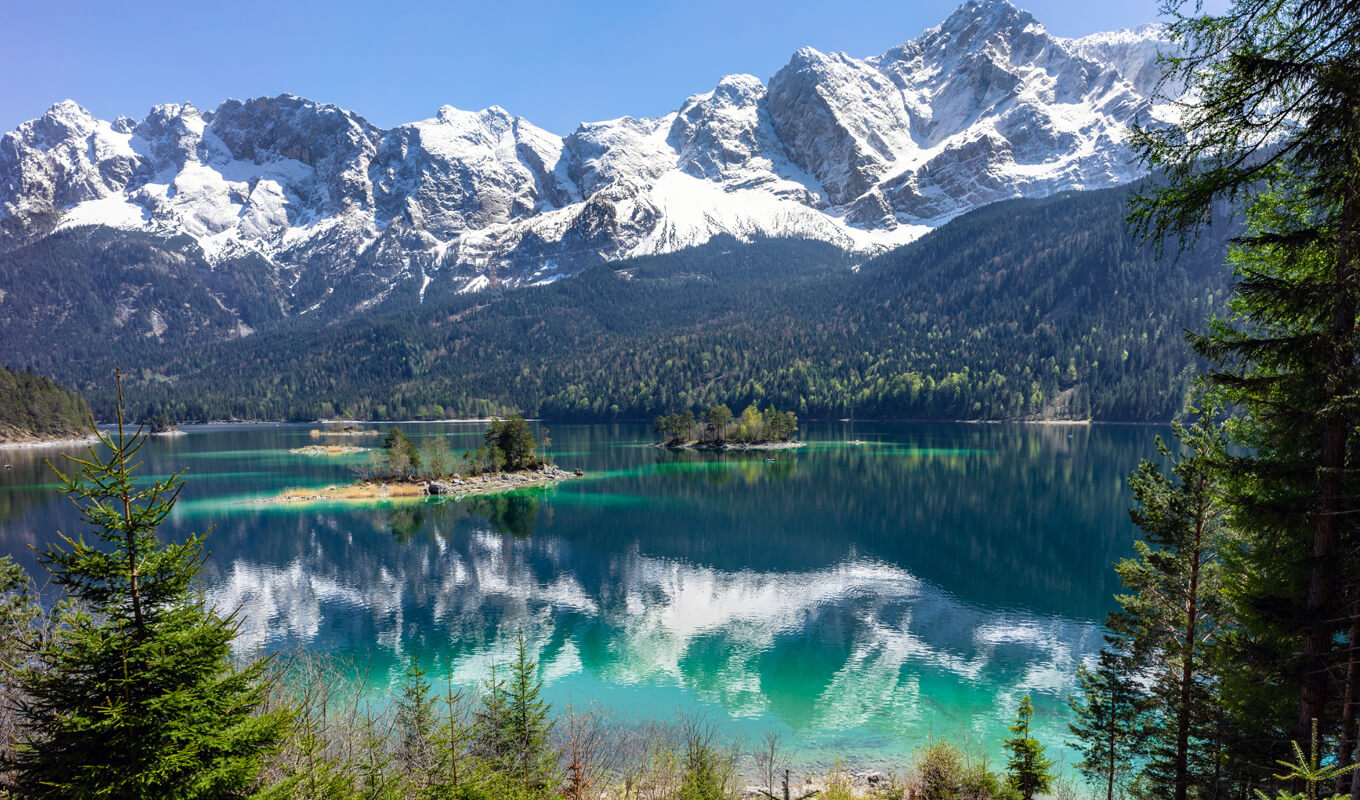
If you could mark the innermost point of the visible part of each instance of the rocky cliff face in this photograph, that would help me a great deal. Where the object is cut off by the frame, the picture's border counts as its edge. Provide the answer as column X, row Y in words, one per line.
column 864, row 153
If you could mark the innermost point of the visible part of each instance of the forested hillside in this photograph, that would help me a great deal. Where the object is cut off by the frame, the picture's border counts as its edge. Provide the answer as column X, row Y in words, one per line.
column 1024, row 309
column 33, row 407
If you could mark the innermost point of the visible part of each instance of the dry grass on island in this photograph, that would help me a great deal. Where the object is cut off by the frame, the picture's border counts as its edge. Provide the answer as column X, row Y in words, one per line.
column 328, row 450
column 718, row 430
column 508, row 460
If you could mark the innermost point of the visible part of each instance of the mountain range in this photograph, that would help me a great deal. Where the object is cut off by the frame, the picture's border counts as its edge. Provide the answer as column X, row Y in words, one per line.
column 158, row 243
column 865, row 154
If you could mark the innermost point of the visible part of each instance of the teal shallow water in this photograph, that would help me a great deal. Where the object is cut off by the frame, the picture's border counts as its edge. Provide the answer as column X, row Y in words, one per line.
column 856, row 598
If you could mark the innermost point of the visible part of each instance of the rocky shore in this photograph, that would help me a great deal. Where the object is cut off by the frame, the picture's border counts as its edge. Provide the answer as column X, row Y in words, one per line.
column 789, row 445
column 854, row 782
column 500, row 482
column 24, row 444
column 454, row 487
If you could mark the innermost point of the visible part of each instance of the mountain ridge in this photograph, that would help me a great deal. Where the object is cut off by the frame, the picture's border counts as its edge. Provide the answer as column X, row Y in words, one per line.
column 864, row 154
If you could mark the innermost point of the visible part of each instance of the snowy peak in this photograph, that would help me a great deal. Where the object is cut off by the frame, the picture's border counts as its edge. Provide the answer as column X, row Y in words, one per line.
column 867, row 153
column 1131, row 52
column 63, row 158
column 978, row 23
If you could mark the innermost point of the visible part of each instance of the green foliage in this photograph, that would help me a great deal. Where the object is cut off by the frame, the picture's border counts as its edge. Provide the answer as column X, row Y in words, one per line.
column 1109, row 722
column 19, row 611
column 1309, row 770
column 706, row 770
column 34, row 407
column 1170, row 621
column 400, row 458
column 1028, row 770
column 135, row 693
column 512, row 728
column 717, row 418
column 21, row 627
column 676, row 426
column 945, row 771
column 415, row 726
column 1272, row 127
column 435, row 459
column 513, row 438
column 718, row 426
column 528, row 726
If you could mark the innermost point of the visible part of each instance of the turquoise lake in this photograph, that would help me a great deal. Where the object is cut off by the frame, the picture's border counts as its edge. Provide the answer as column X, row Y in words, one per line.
column 855, row 598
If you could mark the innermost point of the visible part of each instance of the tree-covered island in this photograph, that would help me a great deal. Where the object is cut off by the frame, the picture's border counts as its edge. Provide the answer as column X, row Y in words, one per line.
column 508, row 459
column 770, row 429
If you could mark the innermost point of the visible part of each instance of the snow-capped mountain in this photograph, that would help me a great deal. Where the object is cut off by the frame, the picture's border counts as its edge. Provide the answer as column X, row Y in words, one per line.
column 864, row 153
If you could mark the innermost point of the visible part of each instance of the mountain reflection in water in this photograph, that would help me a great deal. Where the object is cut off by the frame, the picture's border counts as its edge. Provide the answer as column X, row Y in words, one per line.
column 855, row 598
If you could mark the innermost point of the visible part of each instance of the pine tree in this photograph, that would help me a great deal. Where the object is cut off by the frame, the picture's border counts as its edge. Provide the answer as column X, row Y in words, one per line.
column 1028, row 770
column 20, row 614
column 491, row 723
column 513, row 437
column 1108, row 721
column 1169, row 621
column 1272, row 124
column 135, row 694
column 415, row 726
column 534, row 761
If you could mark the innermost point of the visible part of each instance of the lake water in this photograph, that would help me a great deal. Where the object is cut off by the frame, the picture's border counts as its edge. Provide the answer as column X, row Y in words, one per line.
column 855, row 598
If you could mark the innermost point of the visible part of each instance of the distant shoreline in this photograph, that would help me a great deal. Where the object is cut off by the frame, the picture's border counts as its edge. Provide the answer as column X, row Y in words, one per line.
column 43, row 443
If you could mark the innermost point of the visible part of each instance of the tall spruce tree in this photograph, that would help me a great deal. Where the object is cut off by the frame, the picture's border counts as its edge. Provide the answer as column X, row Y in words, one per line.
column 135, row 694
column 1272, row 122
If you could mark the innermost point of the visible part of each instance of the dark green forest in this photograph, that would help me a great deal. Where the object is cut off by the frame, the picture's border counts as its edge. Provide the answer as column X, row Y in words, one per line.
column 1024, row 309
column 34, row 407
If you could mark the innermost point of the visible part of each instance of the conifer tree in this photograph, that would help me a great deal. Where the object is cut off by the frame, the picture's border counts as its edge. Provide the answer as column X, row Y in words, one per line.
column 513, row 437
column 415, row 726
column 491, row 722
column 1028, row 770
column 1271, row 122
column 1108, row 721
column 534, row 760
column 135, row 694
column 1169, row 621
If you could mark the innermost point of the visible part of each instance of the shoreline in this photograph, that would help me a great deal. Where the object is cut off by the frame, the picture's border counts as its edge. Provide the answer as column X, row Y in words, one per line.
column 729, row 446
column 454, row 487
column 1058, row 422
column 43, row 443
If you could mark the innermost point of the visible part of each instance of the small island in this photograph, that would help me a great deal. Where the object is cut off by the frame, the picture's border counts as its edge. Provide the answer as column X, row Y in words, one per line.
column 342, row 429
column 161, row 425
column 507, row 460
column 328, row 450
column 770, row 429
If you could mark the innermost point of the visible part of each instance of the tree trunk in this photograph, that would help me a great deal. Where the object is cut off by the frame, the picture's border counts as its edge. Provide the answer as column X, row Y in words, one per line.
column 1188, row 666
column 1109, row 789
column 1346, row 753
column 1322, row 568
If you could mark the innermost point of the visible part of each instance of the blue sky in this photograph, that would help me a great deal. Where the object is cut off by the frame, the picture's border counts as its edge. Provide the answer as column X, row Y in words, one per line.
column 554, row 63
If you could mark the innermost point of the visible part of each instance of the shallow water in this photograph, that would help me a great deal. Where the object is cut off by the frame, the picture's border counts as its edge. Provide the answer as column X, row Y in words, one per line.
column 855, row 598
